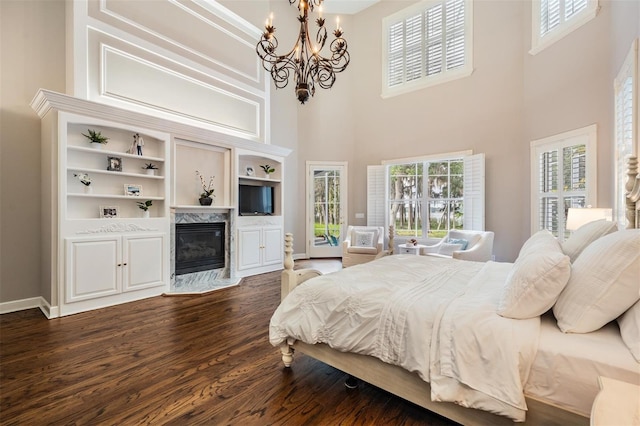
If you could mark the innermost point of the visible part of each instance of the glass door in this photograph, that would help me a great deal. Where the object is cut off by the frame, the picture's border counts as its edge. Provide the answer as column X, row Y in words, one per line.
column 327, row 208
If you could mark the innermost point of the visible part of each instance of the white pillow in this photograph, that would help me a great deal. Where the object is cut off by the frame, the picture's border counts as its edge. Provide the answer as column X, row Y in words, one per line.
column 536, row 279
column 363, row 238
column 629, row 323
column 532, row 244
column 604, row 283
column 585, row 235
column 447, row 249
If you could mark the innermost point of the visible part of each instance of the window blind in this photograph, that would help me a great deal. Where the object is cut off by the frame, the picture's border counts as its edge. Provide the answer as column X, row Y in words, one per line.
column 626, row 109
column 427, row 43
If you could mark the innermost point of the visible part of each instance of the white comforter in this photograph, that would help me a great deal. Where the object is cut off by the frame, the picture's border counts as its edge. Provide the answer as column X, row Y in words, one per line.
column 432, row 316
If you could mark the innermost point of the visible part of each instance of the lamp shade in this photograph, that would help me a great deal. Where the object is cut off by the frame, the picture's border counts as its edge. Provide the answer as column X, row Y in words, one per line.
column 578, row 217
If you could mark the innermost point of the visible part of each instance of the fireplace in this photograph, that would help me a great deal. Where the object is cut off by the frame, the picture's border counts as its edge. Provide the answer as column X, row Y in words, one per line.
column 199, row 247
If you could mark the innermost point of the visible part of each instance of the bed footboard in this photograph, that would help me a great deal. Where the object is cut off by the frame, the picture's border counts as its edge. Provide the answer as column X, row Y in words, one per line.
column 290, row 278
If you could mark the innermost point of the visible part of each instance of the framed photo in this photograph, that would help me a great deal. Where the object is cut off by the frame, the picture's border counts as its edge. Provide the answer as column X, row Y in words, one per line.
column 108, row 212
column 114, row 164
column 250, row 171
column 132, row 190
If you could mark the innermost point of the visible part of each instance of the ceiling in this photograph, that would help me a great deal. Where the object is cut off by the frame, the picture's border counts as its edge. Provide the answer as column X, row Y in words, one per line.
column 346, row 7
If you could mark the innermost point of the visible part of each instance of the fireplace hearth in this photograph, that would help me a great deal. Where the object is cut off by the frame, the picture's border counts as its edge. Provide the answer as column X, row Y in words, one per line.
column 199, row 247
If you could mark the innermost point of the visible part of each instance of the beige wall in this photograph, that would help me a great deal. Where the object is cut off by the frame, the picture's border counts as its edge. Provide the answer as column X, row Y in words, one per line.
column 511, row 99
column 32, row 56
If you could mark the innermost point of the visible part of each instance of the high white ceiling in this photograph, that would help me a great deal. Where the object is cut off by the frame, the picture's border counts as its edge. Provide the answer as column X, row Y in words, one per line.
column 346, row 7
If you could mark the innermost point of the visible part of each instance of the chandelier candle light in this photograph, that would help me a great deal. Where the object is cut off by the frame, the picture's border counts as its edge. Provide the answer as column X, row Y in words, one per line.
column 304, row 60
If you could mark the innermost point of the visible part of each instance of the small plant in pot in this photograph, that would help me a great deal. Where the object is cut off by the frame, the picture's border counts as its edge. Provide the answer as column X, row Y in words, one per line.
column 150, row 168
column 267, row 169
column 96, row 138
column 144, row 206
column 206, row 196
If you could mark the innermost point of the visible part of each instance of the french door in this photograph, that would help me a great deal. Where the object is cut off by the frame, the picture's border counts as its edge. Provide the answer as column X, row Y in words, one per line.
column 326, row 208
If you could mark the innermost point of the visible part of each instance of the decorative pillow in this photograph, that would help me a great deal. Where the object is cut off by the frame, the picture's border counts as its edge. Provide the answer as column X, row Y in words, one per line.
column 535, row 280
column 604, row 283
column 629, row 323
column 363, row 238
column 541, row 237
column 448, row 249
column 463, row 243
column 585, row 235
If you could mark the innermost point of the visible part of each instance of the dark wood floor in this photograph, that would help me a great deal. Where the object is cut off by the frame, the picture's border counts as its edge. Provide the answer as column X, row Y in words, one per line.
column 177, row 360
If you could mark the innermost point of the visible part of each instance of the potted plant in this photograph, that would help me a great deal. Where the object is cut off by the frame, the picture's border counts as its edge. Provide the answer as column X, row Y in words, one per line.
column 150, row 168
column 96, row 139
column 267, row 170
column 84, row 179
column 207, row 190
column 144, row 206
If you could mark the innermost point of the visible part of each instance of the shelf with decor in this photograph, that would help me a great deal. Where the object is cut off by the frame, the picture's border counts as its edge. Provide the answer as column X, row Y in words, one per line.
column 257, row 179
column 107, row 163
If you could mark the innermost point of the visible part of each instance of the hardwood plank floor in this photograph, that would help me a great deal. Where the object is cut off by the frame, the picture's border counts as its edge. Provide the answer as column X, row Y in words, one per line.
column 178, row 360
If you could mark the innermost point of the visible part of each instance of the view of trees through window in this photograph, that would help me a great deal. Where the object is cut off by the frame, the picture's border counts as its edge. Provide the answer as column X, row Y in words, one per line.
column 326, row 187
column 428, row 193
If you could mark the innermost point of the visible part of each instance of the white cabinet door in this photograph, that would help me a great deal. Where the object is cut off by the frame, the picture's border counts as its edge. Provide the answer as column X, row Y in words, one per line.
column 143, row 261
column 272, row 246
column 250, row 241
column 92, row 268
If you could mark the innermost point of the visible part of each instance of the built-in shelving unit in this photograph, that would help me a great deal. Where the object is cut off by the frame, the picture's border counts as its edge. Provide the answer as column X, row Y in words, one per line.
column 118, row 174
column 99, row 248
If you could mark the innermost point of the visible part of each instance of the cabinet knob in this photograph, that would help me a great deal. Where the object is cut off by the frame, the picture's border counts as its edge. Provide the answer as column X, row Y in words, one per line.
column 124, row 264
column 119, row 264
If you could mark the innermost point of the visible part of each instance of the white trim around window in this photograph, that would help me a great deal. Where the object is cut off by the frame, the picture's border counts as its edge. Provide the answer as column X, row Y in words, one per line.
column 422, row 47
column 564, row 21
column 557, row 189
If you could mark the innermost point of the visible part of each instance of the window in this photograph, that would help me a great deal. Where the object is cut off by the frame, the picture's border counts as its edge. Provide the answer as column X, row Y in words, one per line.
column 426, row 44
column 554, row 19
column 626, row 125
column 563, row 176
column 424, row 198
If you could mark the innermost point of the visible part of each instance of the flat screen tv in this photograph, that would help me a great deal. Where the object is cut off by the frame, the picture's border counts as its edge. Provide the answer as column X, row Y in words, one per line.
column 255, row 200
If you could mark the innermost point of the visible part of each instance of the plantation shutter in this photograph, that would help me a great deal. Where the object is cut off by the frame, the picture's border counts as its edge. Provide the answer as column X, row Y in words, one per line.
column 554, row 13
column 474, row 182
column 626, row 126
column 454, row 33
column 376, row 203
column 426, row 43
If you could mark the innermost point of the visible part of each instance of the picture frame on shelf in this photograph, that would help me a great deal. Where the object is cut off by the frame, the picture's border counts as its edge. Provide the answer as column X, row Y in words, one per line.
column 250, row 171
column 114, row 164
column 108, row 212
column 132, row 190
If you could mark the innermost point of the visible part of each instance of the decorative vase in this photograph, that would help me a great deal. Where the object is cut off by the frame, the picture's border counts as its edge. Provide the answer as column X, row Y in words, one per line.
column 96, row 145
column 267, row 175
column 145, row 214
column 205, row 201
column 88, row 189
column 151, row 172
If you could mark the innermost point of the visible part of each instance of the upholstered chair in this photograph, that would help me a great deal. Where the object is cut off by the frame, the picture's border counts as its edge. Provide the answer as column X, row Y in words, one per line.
column 461, row 244
column 362, row 244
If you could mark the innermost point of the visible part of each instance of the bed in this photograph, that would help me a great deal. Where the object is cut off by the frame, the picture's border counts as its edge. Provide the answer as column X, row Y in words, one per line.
column 441, row 343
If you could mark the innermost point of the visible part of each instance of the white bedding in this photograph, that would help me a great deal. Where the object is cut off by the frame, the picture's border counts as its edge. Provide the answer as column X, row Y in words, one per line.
column 566, row 367
column 432, row 316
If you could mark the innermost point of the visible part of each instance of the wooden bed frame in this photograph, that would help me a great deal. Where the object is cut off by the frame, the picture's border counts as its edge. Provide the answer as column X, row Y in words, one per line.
column 409, row 385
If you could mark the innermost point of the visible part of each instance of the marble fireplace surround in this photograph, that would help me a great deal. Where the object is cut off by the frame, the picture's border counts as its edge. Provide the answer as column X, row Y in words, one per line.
column 204, row 281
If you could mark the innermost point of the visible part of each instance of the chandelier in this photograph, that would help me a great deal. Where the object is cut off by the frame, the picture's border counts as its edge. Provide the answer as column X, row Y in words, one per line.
column 304, row 61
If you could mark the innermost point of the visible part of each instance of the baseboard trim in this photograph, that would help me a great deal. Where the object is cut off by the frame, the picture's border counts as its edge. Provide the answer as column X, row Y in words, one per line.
column 30, row 303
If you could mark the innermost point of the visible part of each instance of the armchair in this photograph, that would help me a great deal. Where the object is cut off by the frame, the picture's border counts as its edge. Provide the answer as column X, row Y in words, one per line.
column 362, row 244
column 466, row 245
